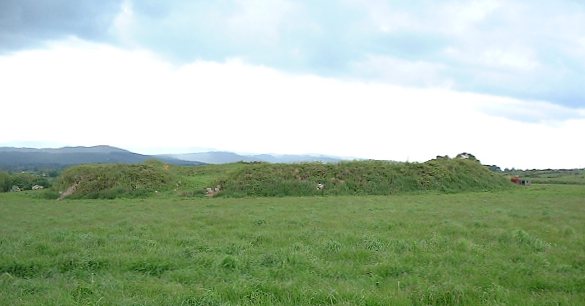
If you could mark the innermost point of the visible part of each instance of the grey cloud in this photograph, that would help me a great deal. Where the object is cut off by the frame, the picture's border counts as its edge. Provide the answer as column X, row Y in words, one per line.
column 278, row 33
column 518, row 49
column 26, row 23
column 509, row 48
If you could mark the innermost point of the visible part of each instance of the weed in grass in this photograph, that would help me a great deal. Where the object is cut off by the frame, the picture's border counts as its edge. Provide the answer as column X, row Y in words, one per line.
column 229, row 263
column 466, row 245
column 332, row 246
column 439, row 295
column 259, row 221
column 392, row 270
column 73, row 264
column 373, row 244
column 150, row 267
column 21, row 270
column 568, row 231
column 259, row 240
column 534, row 243
column 82, row 293
column 494, row 294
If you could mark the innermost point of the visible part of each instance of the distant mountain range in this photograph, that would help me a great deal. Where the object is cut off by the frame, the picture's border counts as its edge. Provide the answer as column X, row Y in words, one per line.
column 18, row 159
column 219, row 157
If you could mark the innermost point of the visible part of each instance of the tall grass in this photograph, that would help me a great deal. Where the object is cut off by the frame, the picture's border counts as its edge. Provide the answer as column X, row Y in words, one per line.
column 523, row 246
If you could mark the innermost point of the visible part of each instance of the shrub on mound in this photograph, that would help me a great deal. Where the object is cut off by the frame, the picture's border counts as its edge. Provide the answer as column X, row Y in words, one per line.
column 360, row 178
column 114, row 180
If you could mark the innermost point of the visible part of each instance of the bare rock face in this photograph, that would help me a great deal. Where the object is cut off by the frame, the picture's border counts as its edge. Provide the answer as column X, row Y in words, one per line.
column 71, row 190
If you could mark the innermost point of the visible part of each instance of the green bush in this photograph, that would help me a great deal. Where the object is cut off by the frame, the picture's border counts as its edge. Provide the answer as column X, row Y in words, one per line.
column 48, row 194
column 24, row 181
column 5, row 182
column 115, row 180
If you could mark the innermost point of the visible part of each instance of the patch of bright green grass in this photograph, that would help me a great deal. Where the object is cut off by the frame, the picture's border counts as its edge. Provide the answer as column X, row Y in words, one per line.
column 524, row 246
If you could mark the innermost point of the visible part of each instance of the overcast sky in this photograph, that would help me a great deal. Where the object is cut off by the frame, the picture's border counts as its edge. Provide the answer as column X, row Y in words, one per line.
column 398, row 80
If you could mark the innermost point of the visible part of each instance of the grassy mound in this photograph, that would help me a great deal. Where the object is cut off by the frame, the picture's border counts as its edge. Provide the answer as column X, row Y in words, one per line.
column 360, row 178
column 115, row 180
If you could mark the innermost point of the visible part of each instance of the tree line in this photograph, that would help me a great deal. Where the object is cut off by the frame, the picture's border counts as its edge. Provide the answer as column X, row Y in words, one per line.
column 21, row 181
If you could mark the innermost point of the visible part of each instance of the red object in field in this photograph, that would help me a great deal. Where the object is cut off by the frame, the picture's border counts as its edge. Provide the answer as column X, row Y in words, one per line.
column 516, row 180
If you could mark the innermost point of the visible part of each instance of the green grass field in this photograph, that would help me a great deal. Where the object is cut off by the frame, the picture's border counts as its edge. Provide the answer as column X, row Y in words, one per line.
column 568, row 176
column 524, row 246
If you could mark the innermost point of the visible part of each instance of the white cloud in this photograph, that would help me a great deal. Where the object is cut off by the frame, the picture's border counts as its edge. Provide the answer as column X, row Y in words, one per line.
column 78, row 93
column 512, row 60
column 455, row 18
column 385, row 17
column 123, row 22
column 255, row 19
column 400, row 71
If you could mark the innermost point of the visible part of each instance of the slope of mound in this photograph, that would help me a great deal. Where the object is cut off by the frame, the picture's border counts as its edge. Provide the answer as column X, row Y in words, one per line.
column 360, row 178
column 114, row 180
